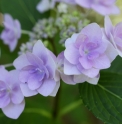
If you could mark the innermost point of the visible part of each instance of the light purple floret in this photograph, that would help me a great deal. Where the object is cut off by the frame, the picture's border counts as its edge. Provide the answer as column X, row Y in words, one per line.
column 11, row 98
column 12, row 32
column 37, row 71
column 88, row 52
column 114, row 34
column 72, row 79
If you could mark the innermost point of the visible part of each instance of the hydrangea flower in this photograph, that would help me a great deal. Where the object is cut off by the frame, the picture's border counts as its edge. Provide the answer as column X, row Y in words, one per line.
column 87, row 53
column 45, row 5
column 11, row 98
column 114, row 34
column 37, row 71
column 104, row 7
column 72, row 79
column 12, row 32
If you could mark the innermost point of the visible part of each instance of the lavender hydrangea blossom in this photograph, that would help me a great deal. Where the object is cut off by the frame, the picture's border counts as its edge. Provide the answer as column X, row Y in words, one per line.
column 72, row 79
column 11, row 98
column 114, row 34
column 104, row 7
column 37, row 71
column 12, row 32
column 87, row 53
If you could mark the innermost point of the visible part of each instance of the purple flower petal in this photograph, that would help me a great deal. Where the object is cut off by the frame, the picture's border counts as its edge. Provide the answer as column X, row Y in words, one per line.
column 68, row 79
column 91, row 32
column 26, row 91
column 40, row 51
column 4, row 74
column 108, row 26
column 14, row 110
column 118, row 30
column 102, row 62
column 47, row 87
column 70, row 69
column 13, row 45
column 8, row 19
column 4, row 95
column 18, row 26
column 93, row 80
column 33, row 81
column 21, row 62
column 71, row 40
column 55, row 89
column 34, row 60
column 87, row 64
column 72, row 54
column 15, row 93
column 81, row 39
column 105, row 10
column 93, row 72
column 24, row 76
column 80, row 78
column 51, row 67
column 84, row 3
column 111, row 52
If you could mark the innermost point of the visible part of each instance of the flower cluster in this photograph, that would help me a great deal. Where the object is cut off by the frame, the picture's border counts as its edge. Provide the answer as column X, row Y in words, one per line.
column 11, row 98
column 88, row 50
column 12, row 32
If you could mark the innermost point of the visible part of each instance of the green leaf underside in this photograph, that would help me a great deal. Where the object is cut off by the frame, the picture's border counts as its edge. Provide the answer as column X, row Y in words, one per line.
column 104, row 99
column 23, row 10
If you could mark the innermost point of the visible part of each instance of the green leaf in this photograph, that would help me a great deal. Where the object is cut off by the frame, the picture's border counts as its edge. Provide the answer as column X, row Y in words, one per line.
column 105, row 99
column 23, row 10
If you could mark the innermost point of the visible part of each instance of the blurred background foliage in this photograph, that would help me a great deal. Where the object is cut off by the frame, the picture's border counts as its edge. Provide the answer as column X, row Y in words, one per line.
column 39, row 109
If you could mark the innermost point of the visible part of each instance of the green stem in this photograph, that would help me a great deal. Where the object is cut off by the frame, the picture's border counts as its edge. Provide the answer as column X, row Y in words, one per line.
column 53, row 45
column 26, row 32
column 70, row 107
column 56, row 105
column 38, row 111
column 8, row 65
